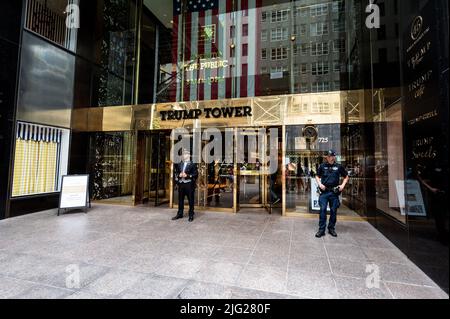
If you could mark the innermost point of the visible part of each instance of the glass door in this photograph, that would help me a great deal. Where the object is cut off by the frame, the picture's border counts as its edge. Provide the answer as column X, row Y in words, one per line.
column 260, row 181
column 272, row 172
column 250, row 153
column 216, row 177
column 153, row 181
column 216, row 174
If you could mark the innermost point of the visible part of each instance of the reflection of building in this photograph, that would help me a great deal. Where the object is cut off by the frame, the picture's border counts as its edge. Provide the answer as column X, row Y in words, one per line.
column 218, row 57
column 303, row 46
column 313, row 75
column 318, row 108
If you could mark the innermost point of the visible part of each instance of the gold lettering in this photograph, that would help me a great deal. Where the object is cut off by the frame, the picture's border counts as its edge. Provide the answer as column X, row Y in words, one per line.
column 420, row 81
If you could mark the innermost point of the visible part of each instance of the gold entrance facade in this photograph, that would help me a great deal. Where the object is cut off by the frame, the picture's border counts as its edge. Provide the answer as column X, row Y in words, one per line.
column 306, row 126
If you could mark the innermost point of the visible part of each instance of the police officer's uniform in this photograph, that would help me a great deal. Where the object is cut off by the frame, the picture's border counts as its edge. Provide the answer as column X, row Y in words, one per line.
column 330, row 175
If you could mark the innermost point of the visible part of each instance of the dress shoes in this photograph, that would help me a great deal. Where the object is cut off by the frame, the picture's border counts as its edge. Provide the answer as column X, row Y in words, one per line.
column 177, row 217
column 320, row 234
column 332, row 232
column 191, row 219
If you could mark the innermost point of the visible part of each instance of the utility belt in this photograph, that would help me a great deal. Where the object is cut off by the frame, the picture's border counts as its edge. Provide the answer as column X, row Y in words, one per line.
column 186, row 182
column 334, row 189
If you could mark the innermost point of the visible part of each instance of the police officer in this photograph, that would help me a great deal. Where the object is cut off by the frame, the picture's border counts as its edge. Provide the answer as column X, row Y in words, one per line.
column 186, row 173
column 328, row 178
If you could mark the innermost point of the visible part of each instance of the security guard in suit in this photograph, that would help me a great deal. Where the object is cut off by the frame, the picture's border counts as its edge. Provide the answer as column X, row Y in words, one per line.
column 186, row 174
column 328, row 178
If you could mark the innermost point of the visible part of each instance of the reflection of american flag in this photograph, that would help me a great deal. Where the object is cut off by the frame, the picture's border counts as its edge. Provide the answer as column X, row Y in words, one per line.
column 194, row 5
column 206, row 35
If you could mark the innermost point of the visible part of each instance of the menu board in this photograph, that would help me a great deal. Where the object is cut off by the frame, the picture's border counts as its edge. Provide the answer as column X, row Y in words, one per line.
column 74, row 192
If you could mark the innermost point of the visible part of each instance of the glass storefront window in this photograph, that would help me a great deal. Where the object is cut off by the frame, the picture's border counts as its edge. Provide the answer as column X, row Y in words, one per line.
column 112, row 162
column 40, row 159
column 107, row 53
column 218, row 52
column 305, row 146
column 389, row 159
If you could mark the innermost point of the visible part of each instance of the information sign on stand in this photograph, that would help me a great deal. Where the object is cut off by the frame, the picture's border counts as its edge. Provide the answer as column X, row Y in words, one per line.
column 74, row 193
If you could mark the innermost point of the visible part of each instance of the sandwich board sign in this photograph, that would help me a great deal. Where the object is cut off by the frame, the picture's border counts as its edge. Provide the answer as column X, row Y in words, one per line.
column 414, row 205
column 74, row 193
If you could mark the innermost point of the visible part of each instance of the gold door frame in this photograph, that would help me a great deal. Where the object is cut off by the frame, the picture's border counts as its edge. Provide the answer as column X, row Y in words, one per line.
column 267, row 111
column 260, row 174
column 202, row 192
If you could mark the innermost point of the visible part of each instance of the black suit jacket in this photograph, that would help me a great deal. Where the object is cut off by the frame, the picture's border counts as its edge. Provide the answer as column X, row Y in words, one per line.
column 191, row 171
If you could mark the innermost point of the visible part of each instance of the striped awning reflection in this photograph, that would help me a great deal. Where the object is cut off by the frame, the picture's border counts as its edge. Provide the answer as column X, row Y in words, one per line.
column 38, row 133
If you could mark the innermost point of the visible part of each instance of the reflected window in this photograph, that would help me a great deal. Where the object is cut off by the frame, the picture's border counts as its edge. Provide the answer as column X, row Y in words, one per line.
column 263, row 16
column 304, row 49
column 278, row 34
column 304, row 87
column 320, row 86
column 319, row 48
column 245, row 30
column 264, row 35
column 245, row 49
column 338, row 26
column 339, row 45
column 319, row 10
column 303, row 30
column 338, row 6
column 279, row 16
column 336, row 66
column 319, row 68
column 303, row 12
column 264, row 54
column 319, row 29
column 278, row 69
column 232, row 31
column 279, row 54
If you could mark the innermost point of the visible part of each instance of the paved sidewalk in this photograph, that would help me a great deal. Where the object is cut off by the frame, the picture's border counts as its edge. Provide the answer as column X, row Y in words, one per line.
column 124, row 252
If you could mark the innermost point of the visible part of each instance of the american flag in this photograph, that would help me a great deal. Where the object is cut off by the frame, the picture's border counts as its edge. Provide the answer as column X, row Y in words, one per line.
column 194, row 5
column 206, row 27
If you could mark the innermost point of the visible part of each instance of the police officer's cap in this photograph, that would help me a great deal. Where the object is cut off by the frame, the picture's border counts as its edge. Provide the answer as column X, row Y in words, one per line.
column 330, row 153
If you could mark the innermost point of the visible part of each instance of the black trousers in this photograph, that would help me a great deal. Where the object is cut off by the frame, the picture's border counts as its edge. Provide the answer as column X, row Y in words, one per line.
column 186, row 189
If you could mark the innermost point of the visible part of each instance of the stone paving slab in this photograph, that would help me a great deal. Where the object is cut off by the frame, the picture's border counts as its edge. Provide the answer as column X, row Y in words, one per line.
column 140, row 253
